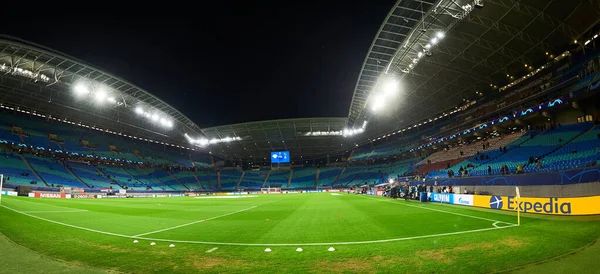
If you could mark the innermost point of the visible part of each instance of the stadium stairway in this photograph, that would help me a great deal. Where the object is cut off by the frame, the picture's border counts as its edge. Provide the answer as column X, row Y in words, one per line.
column 237, row 186
column 32, row 169
column 318, row 171
column 108, row 177
column 198, row 180
column 151, row 173
column 73, row 174
column 177, row 180
column 289, row 182
column 338, row 177
column 135, row 178
column 218, row 180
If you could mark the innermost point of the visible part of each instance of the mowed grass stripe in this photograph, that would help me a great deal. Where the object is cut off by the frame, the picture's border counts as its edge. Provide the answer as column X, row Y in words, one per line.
column 310, row 218
column 120, row 219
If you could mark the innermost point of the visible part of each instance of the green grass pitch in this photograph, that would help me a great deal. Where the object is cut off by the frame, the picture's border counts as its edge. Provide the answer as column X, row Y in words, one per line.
column 369, row 234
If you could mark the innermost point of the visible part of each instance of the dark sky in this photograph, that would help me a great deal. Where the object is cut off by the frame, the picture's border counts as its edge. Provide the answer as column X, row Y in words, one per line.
column 222, row 64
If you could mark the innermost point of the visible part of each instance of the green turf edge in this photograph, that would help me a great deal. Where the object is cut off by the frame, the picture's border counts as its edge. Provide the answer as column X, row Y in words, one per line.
column 20, row 259
column 577, row 261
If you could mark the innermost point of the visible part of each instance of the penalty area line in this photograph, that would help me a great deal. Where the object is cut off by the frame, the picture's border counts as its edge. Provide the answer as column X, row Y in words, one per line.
column 54, row 211
column 259, row 244
column 195, row 222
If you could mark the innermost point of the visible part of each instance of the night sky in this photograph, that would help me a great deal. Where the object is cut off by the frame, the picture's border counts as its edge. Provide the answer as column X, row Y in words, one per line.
column 223, row 64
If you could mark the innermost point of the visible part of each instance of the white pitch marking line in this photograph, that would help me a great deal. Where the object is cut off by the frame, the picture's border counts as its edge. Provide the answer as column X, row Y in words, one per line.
column 211, row 250
column 337, row 243
column 73, row 226
column 195, row 222
column 439, row 210
column 258, row 244
column 495, row 224
column 54, row 211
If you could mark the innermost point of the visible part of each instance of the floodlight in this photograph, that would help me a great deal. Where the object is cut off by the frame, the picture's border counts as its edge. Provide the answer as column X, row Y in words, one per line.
column 440, row 35
column 378, row 103
column 100, row 96
column 434, row 40
column 111, row 100
column 428, row 46
column 154, row 117
column 139, row 110
column 390, row 87
column 420, row 54
column 81, row 89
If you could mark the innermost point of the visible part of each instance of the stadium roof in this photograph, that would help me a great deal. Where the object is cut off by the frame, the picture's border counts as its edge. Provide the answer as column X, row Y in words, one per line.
column 258, row 139
column 37, row 78
column 486, row 44
column 482, row 44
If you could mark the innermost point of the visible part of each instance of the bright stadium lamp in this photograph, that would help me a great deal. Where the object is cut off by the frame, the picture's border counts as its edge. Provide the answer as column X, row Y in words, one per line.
column 440, row 35
column 80, row 89
column 390, row 87
column 111, row 100
column 378, row 103
column 139, row 110
column 100, row 96
column 154, row 117
column 434, row 40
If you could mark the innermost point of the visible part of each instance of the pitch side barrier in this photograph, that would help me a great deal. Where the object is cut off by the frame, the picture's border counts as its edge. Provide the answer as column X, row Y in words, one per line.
column 550, row 205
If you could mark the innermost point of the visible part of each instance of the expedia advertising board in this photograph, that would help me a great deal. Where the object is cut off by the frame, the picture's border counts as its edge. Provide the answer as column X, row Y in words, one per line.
column 554, row 206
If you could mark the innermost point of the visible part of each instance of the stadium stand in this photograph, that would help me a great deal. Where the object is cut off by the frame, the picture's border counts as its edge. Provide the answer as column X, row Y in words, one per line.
column 254, row 179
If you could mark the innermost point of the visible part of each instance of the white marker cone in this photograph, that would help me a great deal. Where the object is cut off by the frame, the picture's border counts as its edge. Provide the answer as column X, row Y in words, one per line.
column 152, row 243
column 331, row 249
column 299, row 249
column 171, row 245
column 268, row 250
column 135, row 241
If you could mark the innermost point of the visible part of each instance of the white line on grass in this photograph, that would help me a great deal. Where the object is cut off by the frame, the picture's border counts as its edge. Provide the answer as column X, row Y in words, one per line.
column 195, row 222
column 334, row 243
column 438, row 210
column 211, row 250
column 259, row 244
column 55, row 211
column 73, row 226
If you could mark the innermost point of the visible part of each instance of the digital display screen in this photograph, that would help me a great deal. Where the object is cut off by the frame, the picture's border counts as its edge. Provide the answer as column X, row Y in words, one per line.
column 280, row 157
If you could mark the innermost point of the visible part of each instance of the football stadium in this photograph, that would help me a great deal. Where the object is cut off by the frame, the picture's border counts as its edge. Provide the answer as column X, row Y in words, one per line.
column 471, row 145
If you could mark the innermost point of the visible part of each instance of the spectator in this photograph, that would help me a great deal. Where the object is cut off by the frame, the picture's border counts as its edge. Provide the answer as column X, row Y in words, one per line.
column 489, row 170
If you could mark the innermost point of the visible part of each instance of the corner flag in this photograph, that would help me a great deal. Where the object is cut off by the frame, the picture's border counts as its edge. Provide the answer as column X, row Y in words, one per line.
column 517, row 198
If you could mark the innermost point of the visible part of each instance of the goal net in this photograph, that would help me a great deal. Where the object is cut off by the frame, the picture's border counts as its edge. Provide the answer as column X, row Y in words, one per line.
column 270, row 189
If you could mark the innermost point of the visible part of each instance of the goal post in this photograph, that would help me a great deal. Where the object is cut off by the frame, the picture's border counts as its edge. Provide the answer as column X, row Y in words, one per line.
column 270, row 189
